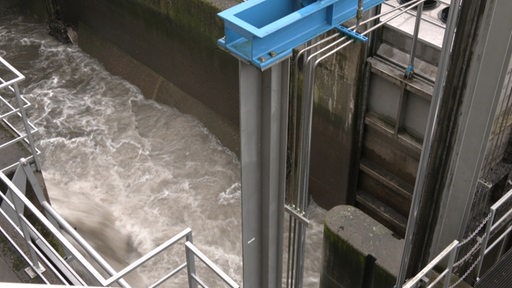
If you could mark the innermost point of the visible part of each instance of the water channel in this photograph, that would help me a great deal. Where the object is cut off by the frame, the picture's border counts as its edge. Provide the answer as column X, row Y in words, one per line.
column 127, row 172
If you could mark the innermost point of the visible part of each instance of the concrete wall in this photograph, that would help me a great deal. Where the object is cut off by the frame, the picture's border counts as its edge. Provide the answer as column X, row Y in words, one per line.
column 336, row 91
column 168, row 49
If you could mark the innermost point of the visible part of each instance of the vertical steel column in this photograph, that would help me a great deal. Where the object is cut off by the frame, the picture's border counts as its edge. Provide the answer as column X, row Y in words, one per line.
column 263, row 131
column 191, row 265
column 28, row 130
column 20, row 181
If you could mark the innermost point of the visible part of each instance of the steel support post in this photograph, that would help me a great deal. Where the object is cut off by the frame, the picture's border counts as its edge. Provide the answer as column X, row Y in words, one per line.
column 20, row 180
column 28, row 129
column 191, row 265
column 425, row 164
column 263, row 126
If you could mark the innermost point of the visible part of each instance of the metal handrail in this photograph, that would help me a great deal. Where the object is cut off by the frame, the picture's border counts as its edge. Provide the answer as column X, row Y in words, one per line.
column 449, row 251
column 14, row 165
column 190, row 247
column 485, row 246
column 183, row 234
column 22, row 104
column 56, row 232
column 32, row 259
column 20, row 251
column 15, row 201
column 491, row 227
column 63, row 224
column 168, row 276
column 19, row 76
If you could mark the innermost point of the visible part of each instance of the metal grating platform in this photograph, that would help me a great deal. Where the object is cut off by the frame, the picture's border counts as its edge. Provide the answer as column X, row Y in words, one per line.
column 500, row 275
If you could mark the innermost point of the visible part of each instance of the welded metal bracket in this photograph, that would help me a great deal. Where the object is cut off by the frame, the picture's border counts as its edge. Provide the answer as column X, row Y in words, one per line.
column 352, row 34
column 409, row 73
column 263, row 32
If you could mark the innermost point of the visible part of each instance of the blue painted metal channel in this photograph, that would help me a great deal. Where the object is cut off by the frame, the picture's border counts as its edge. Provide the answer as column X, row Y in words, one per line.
column 262, row 32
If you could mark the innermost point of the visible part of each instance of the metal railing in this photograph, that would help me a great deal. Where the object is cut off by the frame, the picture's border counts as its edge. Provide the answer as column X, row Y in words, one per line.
column 37, row 249
column 450, row 252
column 12, row 112
column 13, row 207
column 493, row 228
column 496, row 232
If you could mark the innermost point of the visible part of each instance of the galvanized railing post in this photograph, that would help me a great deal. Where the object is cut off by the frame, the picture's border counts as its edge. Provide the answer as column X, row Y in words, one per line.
column 24, row 118
column 451, row 260
column 503, row 245
column 18, row 210
column 409, row 72
column 191, row 266
column 484, row 243
column 450, row 250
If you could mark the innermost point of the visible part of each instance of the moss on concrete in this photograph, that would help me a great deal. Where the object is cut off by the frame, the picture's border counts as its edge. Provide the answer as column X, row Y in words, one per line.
column 352, row 241
column 342, row 263
column 198, row 16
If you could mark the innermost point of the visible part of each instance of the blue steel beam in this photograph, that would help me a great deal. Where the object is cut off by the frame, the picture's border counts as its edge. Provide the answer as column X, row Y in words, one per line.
column 263, row 32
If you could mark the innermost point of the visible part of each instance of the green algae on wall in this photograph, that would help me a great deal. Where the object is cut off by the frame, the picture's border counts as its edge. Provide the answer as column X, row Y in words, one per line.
column 343, row 266
column 199, row 16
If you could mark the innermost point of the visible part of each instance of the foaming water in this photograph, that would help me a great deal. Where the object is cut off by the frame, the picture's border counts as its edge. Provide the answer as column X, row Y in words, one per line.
column 127, row 172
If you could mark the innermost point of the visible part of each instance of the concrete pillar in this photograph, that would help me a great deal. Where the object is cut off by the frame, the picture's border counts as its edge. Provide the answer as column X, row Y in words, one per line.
column 358, row 251
column 483, row 83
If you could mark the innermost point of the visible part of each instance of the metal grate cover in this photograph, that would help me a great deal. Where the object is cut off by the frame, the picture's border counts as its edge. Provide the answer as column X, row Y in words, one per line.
column 500, row 275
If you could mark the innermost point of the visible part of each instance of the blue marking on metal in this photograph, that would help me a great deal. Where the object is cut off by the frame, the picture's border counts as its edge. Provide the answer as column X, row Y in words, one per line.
column 263, row 32
column 352, row 34
column 409, row 72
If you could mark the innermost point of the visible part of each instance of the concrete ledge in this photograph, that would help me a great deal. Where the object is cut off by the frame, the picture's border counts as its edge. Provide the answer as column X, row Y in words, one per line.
column 358, row 251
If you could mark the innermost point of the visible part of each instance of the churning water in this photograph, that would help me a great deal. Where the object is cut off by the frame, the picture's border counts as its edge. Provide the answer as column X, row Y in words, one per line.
column 127, row 172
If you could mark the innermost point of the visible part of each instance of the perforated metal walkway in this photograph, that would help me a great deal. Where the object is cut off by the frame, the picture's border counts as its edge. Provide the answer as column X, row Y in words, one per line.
column 500, row 275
